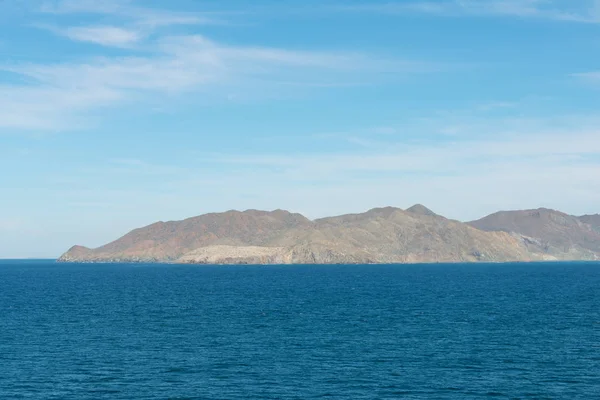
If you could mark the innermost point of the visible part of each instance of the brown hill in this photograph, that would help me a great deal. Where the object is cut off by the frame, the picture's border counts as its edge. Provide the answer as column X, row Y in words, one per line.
column 557, row 232
column 380, row 235
column 167, row 241
column 420, row 209
column 592, row 220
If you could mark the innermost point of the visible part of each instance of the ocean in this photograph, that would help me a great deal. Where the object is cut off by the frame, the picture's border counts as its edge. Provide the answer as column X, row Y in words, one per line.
column 123, row 331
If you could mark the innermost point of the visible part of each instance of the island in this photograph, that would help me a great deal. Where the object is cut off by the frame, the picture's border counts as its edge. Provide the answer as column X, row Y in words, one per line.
column 386, row 235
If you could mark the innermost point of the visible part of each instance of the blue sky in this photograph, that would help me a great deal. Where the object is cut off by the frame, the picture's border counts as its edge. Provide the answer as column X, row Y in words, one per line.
column 115, row 114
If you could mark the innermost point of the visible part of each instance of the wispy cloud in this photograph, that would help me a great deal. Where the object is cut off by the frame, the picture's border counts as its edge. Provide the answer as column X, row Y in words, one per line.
column 520, row 170
column 450, row 157
column 519, row 167
column 463, row 179
column 496, row 105
column 57, row 93
column 49, row 107
column 142, row 16
column 59, row 96
column 592, row 77
column 547, row 9
column 138, row 23
column 104, row 35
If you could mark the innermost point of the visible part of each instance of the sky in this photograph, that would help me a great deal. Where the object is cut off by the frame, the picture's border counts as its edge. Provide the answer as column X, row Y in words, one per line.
column 118, row 113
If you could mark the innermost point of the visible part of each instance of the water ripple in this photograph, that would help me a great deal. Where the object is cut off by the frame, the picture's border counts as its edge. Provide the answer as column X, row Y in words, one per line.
column 307, row 332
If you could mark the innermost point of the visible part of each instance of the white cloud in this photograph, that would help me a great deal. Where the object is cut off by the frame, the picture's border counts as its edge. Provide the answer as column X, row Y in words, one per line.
column 49, row 107
column 138, row 22
column 83, row 6
column 103, row 35
column 142, row 16
column 463, row 178
column 57, row 94
column 449, row 157
column 589, row 77
column 557, row 168
column 553, row 10
column 60, row 96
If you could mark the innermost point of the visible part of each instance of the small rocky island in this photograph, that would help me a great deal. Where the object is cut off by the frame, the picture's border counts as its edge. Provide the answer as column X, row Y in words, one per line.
column 380, row 235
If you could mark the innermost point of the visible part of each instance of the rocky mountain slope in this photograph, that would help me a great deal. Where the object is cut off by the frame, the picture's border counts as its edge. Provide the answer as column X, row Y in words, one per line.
column 380, row 235
column 557, row 233
column 167, row 241
column 592, row 220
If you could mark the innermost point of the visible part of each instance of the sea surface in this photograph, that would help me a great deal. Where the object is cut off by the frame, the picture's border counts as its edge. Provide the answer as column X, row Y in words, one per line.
column 121, row 331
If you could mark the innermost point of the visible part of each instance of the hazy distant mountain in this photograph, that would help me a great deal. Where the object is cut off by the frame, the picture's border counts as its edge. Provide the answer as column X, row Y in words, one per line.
column 380, row 235
column 556, row 231
column 593, row 220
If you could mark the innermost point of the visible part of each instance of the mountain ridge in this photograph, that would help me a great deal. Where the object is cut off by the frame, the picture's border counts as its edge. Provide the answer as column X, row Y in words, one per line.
column 379, row 235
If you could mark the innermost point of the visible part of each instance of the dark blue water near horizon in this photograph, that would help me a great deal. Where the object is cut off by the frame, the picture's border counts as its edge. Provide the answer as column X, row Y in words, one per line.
column 513, row 331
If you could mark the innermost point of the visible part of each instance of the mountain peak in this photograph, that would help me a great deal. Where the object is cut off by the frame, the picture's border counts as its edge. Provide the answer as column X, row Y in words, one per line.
column 382, row 211
column 420, row 209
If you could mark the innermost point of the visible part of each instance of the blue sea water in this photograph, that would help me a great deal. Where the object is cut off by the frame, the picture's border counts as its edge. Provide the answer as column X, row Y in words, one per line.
column 518, row 331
